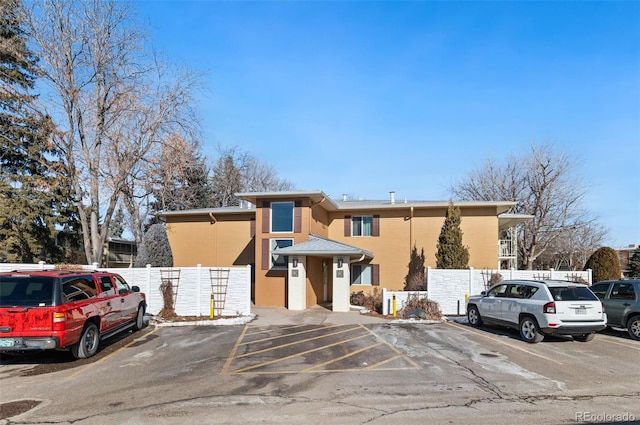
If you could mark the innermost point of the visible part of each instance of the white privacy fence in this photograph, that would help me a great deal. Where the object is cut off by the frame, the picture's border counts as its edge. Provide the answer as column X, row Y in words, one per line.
column 450, row 288
column 192, row 287
column 400, row 298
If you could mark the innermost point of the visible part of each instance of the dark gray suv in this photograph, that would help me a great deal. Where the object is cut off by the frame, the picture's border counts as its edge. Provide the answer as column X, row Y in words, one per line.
column 621, row 299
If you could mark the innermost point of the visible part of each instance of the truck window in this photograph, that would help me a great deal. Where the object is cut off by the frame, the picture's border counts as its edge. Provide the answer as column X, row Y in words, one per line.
column 106, row 284
column 77, row 289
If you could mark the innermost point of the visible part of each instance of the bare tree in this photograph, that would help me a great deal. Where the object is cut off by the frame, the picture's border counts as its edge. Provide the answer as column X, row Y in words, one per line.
column 236, row 171
column 112, row 102
column 544, row 184
column 572, row 248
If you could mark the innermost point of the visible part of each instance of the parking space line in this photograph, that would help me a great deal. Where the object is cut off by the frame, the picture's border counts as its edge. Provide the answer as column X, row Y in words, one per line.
column 610, row 340
column 81, row 370
column 255, row 366
column 270, row 329
column 389, row 360
column 296, row 342
column 287, row 335
column 398, row 352
column 337, row 359
column 503, row 342
column 233, row 352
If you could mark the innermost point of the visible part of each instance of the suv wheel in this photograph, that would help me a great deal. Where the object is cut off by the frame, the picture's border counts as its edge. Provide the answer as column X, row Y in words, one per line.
column 87, row 346
column 473, row 315
column 633, row 327
column 584, row 337
column 529, row 330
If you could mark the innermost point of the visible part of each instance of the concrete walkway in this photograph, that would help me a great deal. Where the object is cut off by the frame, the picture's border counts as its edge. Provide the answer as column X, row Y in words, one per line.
column 316, row 315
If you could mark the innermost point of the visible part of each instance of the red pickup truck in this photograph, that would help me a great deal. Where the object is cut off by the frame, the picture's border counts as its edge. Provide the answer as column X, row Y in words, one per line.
column 57, row 309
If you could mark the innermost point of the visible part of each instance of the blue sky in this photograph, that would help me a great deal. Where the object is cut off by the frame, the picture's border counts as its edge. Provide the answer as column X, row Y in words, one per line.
column 364, row 97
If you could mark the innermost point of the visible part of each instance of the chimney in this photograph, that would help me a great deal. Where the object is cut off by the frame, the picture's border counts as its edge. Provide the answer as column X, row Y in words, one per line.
column 393, row 197
column 344, row 197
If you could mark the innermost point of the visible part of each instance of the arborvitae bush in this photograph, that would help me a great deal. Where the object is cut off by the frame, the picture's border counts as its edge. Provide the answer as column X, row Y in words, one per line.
column 604, row 264
column 634, row 264
column 415, row 280
column 452, row 254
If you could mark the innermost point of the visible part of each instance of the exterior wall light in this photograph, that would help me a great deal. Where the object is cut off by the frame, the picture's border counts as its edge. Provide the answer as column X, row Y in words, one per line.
column 340, row 262
column 295, row 262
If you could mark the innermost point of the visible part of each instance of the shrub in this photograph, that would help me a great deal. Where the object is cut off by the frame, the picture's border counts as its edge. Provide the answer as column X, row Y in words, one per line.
column 371, row 302
column 604, row 264
column 430, row 307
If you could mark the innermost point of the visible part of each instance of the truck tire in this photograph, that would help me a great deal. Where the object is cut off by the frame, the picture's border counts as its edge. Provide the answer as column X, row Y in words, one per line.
column 87, row 346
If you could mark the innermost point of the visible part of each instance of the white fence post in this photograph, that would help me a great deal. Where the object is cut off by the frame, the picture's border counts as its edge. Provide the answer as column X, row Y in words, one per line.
column 199, row 288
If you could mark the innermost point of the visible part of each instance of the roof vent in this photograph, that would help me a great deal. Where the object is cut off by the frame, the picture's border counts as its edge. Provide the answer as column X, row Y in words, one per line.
column 344, row 197
column 392, row 195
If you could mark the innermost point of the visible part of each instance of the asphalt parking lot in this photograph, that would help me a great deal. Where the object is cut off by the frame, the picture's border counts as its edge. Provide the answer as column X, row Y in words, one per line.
column 332, row 372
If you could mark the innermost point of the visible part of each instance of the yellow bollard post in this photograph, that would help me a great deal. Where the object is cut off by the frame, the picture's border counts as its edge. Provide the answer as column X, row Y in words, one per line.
column 211, row 309
column 394, row 305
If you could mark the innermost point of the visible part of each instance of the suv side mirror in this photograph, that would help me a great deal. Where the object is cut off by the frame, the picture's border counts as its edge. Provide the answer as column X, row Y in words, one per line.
column 483, row 293
column 135, row 288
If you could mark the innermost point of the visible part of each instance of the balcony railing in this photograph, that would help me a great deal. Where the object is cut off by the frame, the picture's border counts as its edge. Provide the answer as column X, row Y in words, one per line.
column 507, row 248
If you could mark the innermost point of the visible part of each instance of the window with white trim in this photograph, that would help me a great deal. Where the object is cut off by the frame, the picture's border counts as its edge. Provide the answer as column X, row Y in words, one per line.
column 279, row 261
column 282, row 217
column 362, row 225
column 361, row 274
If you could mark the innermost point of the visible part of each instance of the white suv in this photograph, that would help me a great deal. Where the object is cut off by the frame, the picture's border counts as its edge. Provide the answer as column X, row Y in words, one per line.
column 539, row 308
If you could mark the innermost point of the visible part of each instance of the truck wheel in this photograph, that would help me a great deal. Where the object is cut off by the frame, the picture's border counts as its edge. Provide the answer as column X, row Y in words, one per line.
column 139, row 324
column 87, row 346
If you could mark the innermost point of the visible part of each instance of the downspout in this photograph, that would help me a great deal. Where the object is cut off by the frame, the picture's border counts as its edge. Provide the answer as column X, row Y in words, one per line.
column 410, row 230
column 215, row 239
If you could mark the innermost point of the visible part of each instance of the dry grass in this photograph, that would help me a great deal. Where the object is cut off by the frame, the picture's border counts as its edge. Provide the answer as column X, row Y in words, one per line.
column 430, row 307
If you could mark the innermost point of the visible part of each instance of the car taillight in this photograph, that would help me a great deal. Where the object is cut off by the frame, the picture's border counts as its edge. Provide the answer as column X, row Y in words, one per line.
column 549, row 308
column 59, row 321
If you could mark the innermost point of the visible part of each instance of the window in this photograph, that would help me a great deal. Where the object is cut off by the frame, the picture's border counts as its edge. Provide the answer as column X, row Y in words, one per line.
column 498, row 291
column 522, row 291
column 26, row 292
column 623, row 291
column 600, row 290
column 107, row 286
column 78, row 289
column 123, row 287
column 572, row 293
column 280, row 261
column 282, row 217
column 362, row 225
column 361, row 274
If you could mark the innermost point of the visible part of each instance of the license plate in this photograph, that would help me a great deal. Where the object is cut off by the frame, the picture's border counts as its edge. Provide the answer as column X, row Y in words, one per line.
column 581, row 311
column 6, row 342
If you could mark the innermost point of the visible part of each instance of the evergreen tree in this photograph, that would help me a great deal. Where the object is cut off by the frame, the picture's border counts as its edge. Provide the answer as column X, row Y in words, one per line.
column 415, row 279
column 155, row 248
column 451, row 253
column 30, row 193
column 116, row 226
column 604, row 264
column 634, row 264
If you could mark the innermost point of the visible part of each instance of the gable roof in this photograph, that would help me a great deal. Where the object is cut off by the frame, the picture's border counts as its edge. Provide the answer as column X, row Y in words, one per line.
column 319, row 246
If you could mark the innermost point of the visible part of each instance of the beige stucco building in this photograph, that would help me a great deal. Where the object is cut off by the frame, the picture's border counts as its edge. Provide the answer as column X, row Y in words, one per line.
column 306, row 248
